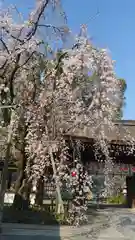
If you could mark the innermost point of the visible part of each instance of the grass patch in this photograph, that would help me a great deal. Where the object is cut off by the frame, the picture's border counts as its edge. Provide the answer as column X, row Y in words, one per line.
column 119, row 199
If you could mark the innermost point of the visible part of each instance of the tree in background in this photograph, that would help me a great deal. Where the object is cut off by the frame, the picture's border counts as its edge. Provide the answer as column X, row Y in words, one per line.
column 123, row 87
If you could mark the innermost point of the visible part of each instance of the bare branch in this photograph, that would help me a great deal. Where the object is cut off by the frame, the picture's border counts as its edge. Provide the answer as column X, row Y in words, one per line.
column 93, row 17
column 4, row 64
column 11, row 78
column 35, row 24
column 17, row 39
column 20, row 66
column 56, row 29
column 7, row 106
column 5, row 46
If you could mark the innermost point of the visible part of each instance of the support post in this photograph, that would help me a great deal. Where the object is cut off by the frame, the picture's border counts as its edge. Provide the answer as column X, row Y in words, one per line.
column 60, row 209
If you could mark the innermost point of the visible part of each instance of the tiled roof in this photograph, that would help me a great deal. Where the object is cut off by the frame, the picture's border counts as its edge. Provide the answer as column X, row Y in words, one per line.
column 123, row 131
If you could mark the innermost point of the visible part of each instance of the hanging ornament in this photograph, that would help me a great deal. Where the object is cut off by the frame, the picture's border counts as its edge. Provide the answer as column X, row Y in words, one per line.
column 73, row 173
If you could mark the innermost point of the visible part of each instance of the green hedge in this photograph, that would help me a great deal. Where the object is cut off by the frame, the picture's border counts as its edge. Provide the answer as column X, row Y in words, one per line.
column 119, row 199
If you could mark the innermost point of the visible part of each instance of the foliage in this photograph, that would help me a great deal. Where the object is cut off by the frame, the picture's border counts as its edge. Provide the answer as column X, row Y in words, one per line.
column 123, row 87
column 118, row 199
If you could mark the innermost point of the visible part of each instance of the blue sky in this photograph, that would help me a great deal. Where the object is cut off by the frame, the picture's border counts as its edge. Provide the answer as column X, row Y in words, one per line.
column 113, row 28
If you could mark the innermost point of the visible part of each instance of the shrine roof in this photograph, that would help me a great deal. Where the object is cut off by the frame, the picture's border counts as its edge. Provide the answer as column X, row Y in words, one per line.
column 122, row 132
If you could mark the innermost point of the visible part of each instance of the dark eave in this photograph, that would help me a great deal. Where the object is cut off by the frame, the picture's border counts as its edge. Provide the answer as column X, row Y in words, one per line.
column 122, row 133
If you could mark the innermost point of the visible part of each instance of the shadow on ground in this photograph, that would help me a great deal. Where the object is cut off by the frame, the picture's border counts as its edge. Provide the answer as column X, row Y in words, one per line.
column 15, row 224
column 31, row 216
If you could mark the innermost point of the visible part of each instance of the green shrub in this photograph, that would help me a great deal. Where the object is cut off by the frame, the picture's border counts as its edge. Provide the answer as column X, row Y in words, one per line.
column 119, row 199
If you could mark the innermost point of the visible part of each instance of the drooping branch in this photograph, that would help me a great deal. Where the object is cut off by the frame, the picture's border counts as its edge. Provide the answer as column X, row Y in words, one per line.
column 11, row 78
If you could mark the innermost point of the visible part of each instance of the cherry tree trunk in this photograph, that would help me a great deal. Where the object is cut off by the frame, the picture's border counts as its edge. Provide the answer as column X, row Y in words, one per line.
column 21, row 199
column 40, row 192
column 5, row 170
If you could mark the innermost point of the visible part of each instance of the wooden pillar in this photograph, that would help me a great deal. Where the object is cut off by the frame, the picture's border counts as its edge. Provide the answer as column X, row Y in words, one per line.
column 130, row 181
column 9, row 180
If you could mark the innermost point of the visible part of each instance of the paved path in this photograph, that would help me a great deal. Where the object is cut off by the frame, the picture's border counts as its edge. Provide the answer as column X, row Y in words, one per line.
column 109, row 224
